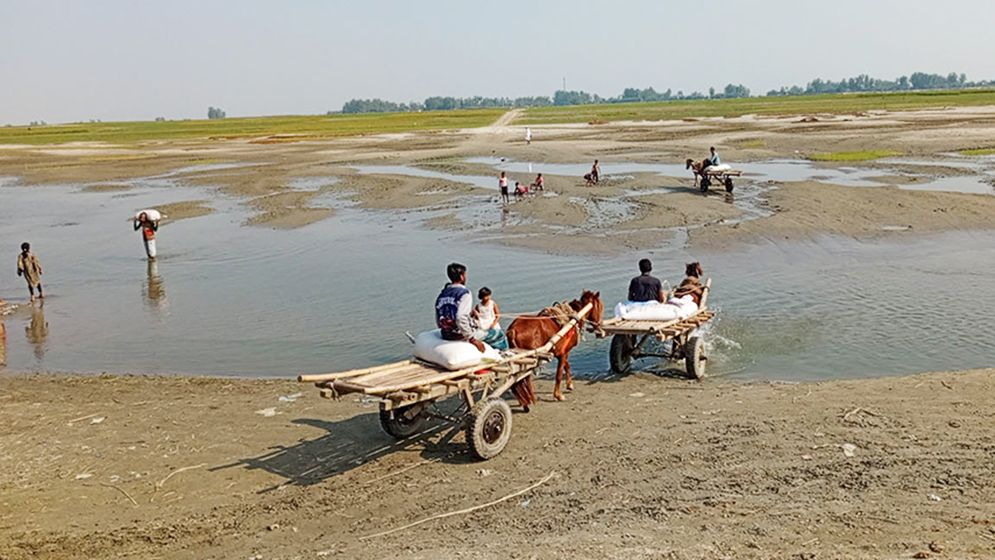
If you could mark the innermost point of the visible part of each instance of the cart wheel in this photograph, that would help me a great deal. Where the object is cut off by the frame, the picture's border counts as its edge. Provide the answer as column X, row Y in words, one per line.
column 729, row 185
column 403, row 422
column 694, row 357
column 620, row 355
column 705, row 183
column 490, row 428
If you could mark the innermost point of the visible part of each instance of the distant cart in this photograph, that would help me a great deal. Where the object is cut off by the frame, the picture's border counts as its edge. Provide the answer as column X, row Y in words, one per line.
column 723, row 175
column 703, row 176
column 631, row 339
column 409, row 389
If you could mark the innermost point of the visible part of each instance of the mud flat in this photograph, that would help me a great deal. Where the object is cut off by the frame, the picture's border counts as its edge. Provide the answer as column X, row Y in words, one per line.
column 462, row 196
column 642, row 467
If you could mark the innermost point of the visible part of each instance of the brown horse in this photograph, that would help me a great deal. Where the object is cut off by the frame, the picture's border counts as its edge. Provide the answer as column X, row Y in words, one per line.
column 697, row 167
column 529, row 332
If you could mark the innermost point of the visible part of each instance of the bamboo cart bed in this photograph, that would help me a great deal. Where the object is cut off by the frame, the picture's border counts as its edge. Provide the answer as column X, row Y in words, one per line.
column 630, row 338
column 406, row 387
column 724, row 178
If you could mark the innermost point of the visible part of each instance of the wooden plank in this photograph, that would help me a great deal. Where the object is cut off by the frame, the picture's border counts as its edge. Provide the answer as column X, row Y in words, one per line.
column 344, row 387
column 316, row 377
column 444, row 375
column 387, row 376
column 416, row 372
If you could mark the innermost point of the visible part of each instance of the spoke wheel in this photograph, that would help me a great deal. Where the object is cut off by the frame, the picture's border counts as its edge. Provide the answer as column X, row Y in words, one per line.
column 694, row 357
column 489, row 428
column 621, row 354
column 403, row 422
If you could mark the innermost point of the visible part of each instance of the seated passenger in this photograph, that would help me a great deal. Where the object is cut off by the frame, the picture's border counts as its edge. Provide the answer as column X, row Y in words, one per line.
column 691, row 286
column 646, row 287
column 713, row 158
column 488, row 315
column 453, row 308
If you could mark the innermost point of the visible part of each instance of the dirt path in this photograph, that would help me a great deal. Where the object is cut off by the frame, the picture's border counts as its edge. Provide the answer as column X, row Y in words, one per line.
column 642, row 467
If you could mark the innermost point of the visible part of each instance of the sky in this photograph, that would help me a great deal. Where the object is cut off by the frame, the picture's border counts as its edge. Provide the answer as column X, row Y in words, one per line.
column 65, row 61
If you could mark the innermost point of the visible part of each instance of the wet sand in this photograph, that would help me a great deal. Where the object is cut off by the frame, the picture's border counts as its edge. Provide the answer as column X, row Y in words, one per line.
column 263, row 176
column 643, row 467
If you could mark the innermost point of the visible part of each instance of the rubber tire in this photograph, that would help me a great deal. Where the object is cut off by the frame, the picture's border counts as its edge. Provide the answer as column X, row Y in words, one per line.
column 729, row 185
column 620, row 355
column 705, row 183
column 400, row 424
column 489, row 429
column 694, row 357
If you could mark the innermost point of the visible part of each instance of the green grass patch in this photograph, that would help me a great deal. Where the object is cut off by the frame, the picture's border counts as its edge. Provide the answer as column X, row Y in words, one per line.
column 284, row 128
column 866, row 155
column 978, row 152
column 776, row 106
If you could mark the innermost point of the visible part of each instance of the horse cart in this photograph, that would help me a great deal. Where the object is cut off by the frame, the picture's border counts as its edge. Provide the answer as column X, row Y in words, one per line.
column 723, row 174
column 409, row 390
column 631, row 339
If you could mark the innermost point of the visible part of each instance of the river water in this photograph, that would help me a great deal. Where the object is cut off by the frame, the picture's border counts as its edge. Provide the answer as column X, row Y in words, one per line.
column 241, row 301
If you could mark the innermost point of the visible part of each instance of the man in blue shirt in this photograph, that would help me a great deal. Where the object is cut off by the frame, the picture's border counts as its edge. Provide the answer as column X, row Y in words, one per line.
column 714, row 158
column 453, row 307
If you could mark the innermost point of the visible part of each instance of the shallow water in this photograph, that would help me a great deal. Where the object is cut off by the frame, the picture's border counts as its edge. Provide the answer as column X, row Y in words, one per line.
column 778, row 170
column 230, row 300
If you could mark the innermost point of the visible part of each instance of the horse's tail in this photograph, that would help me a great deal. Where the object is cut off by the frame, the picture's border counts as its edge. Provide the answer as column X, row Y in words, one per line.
column 525, row 392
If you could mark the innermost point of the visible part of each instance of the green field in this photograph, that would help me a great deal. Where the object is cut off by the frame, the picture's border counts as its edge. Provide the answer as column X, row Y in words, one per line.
column 292, row 127
column 978, row 152
column 795, row 105
column 867, row 155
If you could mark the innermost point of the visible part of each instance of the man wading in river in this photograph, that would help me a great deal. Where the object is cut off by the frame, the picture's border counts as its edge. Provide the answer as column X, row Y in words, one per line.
column 453, row 308
column 29, row 267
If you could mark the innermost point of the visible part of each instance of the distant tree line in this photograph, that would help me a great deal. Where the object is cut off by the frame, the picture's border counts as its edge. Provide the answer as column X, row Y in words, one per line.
column 861, row 83
column 865, row 83
column 560, row 97
column 215, row 113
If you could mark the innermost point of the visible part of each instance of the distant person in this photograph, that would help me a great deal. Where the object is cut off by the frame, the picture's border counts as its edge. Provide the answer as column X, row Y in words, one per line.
column 3, row 337
column 453, row 308
column 29, row 267
column 539, row 184
column 488, row 315
column 521, row 191
column 595, row 172
column 148, row 227
column 528, row 136
column 646, row 287
column 503, row 183
column 713, row 157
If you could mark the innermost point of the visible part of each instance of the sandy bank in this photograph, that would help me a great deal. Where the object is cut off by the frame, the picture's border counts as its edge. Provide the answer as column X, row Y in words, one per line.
column 645, row 467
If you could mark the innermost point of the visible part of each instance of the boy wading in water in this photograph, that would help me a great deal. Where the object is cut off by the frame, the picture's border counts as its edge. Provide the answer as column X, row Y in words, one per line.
column 29, row 267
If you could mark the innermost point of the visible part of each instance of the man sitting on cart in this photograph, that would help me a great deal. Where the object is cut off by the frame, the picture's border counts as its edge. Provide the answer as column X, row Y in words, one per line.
column 453, row 308
column 711, row 161
column 646, row 287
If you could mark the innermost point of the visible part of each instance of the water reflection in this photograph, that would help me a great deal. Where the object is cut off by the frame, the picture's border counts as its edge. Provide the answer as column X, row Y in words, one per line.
column 154, row 288
column 504, row 216
column 37, row 330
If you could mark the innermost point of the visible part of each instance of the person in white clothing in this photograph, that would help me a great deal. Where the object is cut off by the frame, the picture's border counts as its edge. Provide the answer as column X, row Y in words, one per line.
column 488, row 315
column 528, row 135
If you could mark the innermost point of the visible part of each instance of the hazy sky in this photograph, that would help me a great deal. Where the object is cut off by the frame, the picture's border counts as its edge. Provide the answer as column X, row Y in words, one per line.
column 128, row 59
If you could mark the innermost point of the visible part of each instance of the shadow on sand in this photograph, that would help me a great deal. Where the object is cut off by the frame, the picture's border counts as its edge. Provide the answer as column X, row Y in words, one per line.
column 351, row 443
